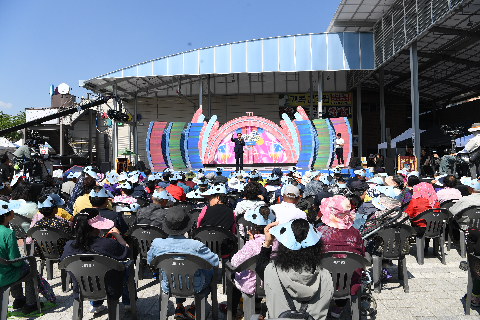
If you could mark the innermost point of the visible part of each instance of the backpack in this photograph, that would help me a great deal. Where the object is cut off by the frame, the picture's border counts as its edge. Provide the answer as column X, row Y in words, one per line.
column 293, row 313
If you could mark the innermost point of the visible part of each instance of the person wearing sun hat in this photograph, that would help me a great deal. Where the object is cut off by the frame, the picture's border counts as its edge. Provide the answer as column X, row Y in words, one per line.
column 448, row 191
column 78, row 189
column 220, row 178
column 217, row 213
column 190, row 176
column 245, row 281
column 68, row 186
column 12, row 273
column 465, row 202
column 296, row 269
column 177, row 192
column 338, row 234
column 100, row 198
column 83, row 201
column 176, row 223
column 87, row 225
column 126, row 196
column 155, row 212
column 314, row 186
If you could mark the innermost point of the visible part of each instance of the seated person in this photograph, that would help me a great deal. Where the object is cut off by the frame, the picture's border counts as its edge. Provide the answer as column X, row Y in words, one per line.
column 251, row 199
column 126, row 196
column 449, row 190
column 48, row 207
column 220, row 178
column 177, row 222
column 406, row 194
column 245, row 281
column 339, row 235
column 424, row 197
column 83, row 201
column 155, row 212
column 217, row 214
column 100, row 198
column 14, row 272
column 287, row 210
column 87, row 225
column 295, row 270
column 176, row 191
column 465, row 202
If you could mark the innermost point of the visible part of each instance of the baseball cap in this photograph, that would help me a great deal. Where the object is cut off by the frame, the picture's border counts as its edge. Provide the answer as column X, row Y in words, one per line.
column 291, row 191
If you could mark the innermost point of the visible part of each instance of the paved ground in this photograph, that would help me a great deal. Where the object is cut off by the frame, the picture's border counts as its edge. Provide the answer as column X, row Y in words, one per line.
column 435, row 293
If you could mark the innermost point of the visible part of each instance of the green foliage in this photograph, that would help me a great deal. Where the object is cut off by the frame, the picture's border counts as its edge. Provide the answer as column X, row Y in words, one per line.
column 7, row 121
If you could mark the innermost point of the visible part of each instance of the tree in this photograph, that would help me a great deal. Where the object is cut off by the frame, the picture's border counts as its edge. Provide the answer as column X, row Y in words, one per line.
column 7, row 121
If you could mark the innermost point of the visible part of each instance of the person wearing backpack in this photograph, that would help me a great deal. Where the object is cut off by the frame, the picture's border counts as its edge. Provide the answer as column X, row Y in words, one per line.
column 294, row 282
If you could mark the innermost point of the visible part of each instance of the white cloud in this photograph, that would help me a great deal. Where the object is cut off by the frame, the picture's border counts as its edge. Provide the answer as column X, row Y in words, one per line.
column 5, row 105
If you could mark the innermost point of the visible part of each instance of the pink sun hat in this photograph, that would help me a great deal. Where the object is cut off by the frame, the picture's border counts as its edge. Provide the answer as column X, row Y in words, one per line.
column 101, row 223
column 337, row 212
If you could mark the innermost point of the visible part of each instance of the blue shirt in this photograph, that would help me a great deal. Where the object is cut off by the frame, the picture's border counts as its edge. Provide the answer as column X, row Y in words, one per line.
column 180, row 244
column 185, row 188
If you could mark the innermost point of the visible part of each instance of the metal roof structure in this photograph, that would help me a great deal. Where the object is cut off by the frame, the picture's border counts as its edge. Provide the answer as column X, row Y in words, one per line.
column 278, row 59
column 358, row 15
column 447, row 33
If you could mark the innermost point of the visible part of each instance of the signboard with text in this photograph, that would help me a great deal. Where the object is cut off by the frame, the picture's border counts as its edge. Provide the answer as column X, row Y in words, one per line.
column 334, row 104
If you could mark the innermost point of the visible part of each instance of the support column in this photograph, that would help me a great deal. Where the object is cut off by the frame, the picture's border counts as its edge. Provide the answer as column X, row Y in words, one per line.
column 135, row 131
column 359, row 119
column 313, row 115
column 415, row 100
column 61, row 136
column 381, row 81
column 115, row 130
column 90, row 136
column 97, row 144
column 209, row 100
column 320, row 95
column 200, row 93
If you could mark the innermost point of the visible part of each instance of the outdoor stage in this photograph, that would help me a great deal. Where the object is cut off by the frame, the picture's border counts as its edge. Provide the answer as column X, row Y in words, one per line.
column 298, row 142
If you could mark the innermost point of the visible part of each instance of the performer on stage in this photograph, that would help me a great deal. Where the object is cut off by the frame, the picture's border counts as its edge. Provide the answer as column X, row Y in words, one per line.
column 339, row 143
column 239, row 144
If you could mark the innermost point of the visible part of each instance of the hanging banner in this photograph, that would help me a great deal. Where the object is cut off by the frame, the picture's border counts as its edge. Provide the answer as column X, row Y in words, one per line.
column 334, row 104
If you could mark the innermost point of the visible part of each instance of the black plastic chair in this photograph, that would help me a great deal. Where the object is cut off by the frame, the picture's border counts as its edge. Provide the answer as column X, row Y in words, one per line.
column 220, row 241
column 89, row 271
column 394, row 239
column 472, row 275
column 248, row 300
column 473, row 215
column 436, row 221
column 243, row 226
column 47, row 242
column 144, row 235
column 447, row 205
column 180, row 269
column 342, row 270
column 130, row 219
column 16, row 226
column 5, row 291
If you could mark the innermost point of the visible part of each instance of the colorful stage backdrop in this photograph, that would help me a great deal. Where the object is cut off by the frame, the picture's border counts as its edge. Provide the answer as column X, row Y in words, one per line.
column 303, row 142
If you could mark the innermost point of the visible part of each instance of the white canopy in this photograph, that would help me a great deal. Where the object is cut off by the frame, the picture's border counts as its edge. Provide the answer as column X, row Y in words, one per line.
column 461, row 142
column 404, row 136
column 5, row 143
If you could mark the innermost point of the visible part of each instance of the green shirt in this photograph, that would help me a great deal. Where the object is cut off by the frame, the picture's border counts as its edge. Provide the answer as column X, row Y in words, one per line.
column 9, row 251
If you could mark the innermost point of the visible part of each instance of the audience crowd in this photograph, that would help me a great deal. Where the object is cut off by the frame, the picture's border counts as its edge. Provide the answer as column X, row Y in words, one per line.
column 293, row 219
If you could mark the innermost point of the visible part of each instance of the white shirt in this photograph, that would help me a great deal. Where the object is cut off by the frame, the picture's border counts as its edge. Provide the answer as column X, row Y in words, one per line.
column 285, row 212
column 473, row 143
column 339, row 143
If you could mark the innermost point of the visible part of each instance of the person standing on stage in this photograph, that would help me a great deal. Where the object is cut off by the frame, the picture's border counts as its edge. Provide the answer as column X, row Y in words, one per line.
column 339, row 142
column 239, row 144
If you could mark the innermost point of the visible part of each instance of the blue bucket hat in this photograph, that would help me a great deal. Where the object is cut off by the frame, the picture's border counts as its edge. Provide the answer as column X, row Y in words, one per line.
column 152, row 177
column 220, row 169
column 254, row 216
column 284, row 234
column 254, row 175
column 175, row 177
column 325, row 179
column 219, row 189
column 414, row 173
column 5, row 207
column 16, row 204
column 387, row 190
column 130, row 207
column 125, row 185
column 377, row 180
column 164, row 195
column 102, row 193
column 195, row 194
column 360, row 173
column 89, row 170
column 112, row 177
column 272, row 177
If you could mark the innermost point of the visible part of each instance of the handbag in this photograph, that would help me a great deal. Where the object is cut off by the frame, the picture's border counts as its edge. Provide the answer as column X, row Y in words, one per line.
column 293, row 313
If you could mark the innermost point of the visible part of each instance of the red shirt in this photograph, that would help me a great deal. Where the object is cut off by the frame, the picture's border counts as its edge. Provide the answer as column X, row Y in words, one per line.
column 191, row 184
column 176, row 192
column 416, row 207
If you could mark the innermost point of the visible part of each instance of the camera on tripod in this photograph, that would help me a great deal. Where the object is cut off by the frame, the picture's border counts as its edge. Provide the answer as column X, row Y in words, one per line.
column 452, row 132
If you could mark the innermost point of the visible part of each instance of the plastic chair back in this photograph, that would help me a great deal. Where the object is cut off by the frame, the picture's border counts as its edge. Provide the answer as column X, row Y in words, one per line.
column 89, row 270
column 214, row 237
column 251, row 264
column 130, row 219
column 394, row 239
column 195, row 213
column 16, row 225
column 145, row 234
column 448, row 204
column 473, row 214
column 243, row 226
column 435, row 221
column 180, row 269
column 404, row 206
column 342, row 270
column 47, row 241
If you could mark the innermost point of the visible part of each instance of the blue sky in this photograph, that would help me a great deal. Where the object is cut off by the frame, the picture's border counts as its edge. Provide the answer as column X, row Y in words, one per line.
column 50, row 42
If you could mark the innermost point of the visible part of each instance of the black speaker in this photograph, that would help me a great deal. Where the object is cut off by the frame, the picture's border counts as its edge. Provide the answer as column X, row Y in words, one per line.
column 141, row 166
column 355, row 162
column 106, row 146
column 390, row 166
column 105, row 167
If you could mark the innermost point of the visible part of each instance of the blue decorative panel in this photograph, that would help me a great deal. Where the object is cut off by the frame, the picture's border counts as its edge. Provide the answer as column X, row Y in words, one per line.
column 270, row 54
column 192, row 145
column 222, row 59
column 302, row 53
column 175, row 64
column 319, row 52
column 207, row 61
column 287, row 53
column 254, row 56
column 190, row 60
column 366, row 45
column 335, row 51
column 145, row 69
column 160, row 67
column 351, row 46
